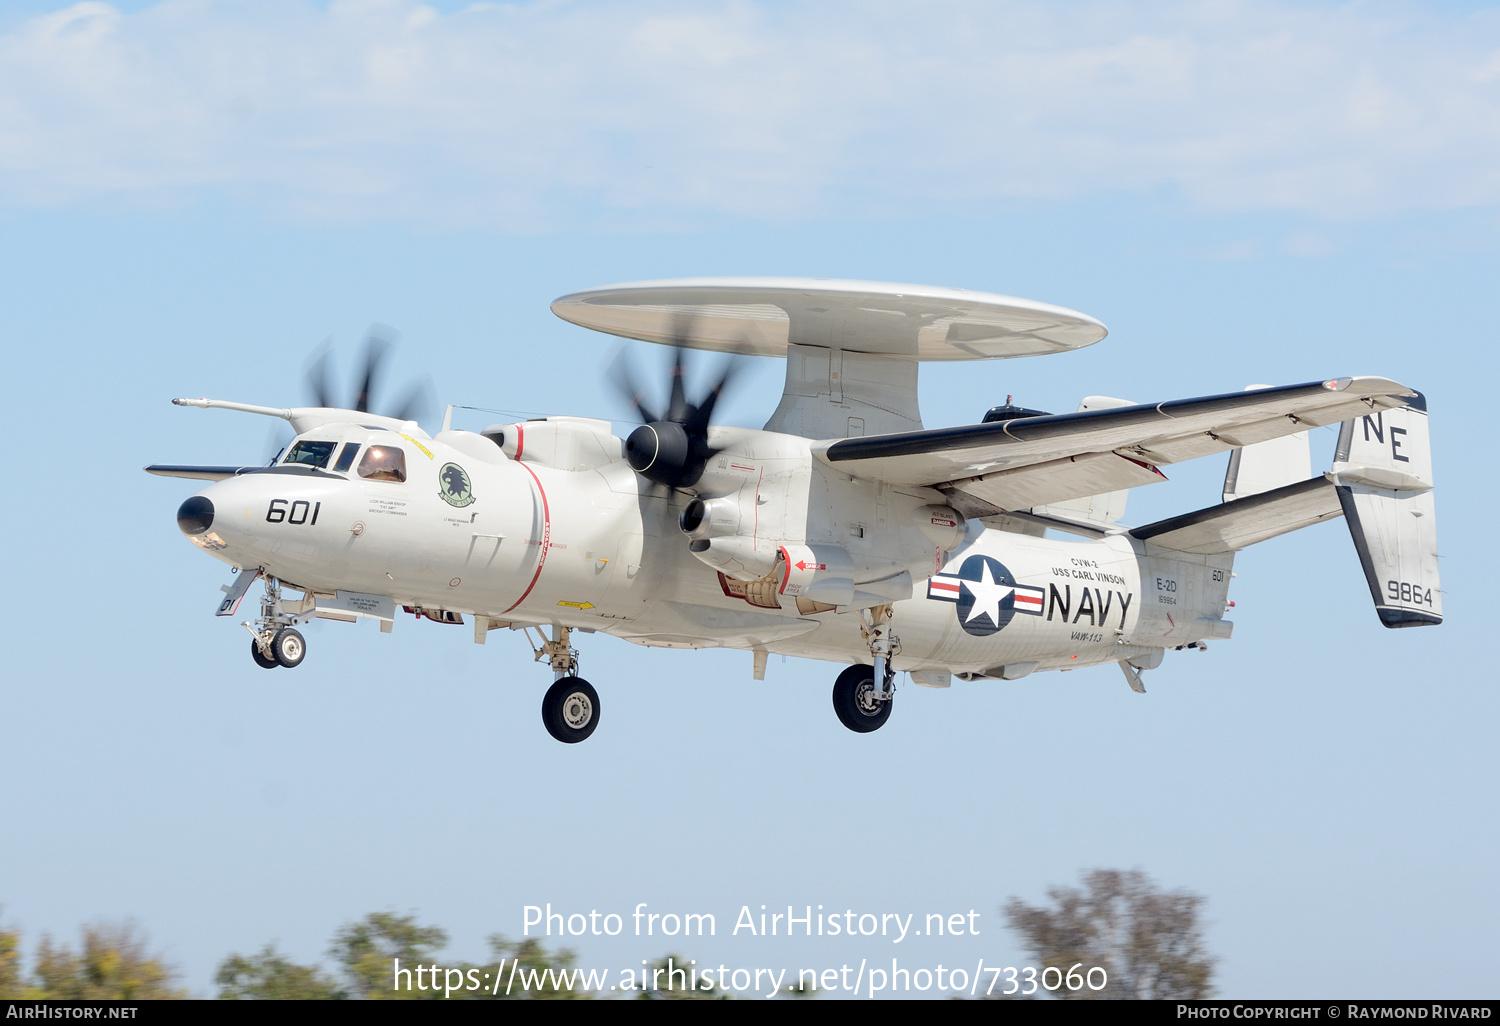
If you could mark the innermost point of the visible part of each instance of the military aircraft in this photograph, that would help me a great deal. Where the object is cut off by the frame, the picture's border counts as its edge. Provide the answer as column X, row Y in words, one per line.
column 842, row 531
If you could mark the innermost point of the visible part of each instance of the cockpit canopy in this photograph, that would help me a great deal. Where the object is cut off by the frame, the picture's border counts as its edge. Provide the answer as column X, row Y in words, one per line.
column 382, row 461
column 309, row 453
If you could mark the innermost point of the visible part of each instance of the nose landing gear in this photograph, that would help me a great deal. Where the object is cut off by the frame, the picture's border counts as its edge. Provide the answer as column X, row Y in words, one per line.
column 275, row 639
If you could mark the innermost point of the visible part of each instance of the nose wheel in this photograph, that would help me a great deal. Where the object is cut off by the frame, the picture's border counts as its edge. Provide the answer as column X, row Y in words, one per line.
column 262, row 660
column 287, row 649
column 570, row 710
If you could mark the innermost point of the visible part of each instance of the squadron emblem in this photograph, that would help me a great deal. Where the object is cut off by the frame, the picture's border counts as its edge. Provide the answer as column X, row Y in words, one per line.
column 454, row 486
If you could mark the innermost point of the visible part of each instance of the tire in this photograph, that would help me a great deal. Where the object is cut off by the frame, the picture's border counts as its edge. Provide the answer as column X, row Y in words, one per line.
column 288, row 647
column 260, row 660
column 850, row 700
column 570, row 710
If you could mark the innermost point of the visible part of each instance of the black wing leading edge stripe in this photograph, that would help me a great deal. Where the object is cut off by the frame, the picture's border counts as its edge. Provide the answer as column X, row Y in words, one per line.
column 197, row 473
column 220, row 473
column 1028, row 429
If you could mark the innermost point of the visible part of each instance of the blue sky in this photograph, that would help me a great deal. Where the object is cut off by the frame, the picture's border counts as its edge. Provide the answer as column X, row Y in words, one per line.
column 194, row 196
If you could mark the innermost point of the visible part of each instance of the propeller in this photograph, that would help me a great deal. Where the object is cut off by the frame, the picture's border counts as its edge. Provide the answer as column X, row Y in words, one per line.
column 671, row 448
column 415, row 403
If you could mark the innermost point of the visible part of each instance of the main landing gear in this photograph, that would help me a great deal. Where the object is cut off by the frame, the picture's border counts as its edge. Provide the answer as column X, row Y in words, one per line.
column 862, row 695
column 274, row 639
column 570, row 709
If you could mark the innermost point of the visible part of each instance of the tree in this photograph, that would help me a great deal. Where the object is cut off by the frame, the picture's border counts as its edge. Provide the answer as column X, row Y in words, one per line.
column 367, row 951
column 270, row 976
column 11, row 984
column 677, row 987
column 531, row 958
column 112, row 966
column 1148, row 940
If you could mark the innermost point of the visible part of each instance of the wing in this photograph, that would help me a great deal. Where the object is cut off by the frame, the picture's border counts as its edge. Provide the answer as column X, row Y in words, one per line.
column 1017, row 464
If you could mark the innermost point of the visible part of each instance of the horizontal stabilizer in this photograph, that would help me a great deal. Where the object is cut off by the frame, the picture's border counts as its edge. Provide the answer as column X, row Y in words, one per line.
column 1383, row 468
column 1234, row 525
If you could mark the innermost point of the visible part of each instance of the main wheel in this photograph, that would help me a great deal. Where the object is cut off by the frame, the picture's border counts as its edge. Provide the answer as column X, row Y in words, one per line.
column 854, row 700
column 288, row 647
column 260, row 660
column 570, row 710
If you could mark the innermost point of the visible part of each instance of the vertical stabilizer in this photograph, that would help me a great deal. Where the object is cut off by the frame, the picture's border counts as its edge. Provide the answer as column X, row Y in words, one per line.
column 1383, row 470
column 1265, row 466
column 1104, row 508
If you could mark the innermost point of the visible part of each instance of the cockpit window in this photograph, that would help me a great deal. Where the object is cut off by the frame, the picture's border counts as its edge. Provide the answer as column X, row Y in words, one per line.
column 311, row 454
column 383, row 463
column 346, row 458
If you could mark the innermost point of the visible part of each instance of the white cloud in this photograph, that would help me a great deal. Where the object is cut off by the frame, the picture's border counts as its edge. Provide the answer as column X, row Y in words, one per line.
column 542, row 114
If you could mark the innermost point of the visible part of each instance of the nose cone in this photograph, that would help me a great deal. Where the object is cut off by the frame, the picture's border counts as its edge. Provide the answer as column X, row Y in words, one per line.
column 196, row 515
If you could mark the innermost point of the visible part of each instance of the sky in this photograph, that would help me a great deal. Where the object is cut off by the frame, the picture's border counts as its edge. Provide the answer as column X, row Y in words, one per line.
column 194, row 196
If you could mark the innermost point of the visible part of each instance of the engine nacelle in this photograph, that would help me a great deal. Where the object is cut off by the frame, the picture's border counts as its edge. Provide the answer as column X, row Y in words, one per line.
column 562, row 443
column 713, row 530
column 736, row 556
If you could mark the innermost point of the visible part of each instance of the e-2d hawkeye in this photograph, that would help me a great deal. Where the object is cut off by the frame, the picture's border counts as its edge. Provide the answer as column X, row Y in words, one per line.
column 842, row 531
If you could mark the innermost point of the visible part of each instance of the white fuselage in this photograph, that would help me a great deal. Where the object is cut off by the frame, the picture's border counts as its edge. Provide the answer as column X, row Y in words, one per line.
column 567, row 534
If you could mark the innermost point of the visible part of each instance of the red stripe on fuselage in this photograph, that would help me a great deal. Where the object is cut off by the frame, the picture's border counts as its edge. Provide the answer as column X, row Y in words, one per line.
column 546, row 536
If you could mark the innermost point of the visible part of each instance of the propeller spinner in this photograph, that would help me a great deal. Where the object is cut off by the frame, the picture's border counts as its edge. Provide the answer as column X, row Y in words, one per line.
column 672, row 448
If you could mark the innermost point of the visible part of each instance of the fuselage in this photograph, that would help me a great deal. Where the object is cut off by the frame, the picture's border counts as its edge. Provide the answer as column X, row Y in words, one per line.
column 568, row 534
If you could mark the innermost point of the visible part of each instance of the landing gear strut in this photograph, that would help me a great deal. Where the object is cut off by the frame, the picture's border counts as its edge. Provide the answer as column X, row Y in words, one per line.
column 275, row 640
column 570, row 709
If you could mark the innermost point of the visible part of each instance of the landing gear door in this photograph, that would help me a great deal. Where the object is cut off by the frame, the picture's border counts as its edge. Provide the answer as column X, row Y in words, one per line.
column 234, row 592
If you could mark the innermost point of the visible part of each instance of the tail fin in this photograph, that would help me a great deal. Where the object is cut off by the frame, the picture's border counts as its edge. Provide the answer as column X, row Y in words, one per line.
column 1103, row 509
column 1383, row 471
column 1264, row 466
